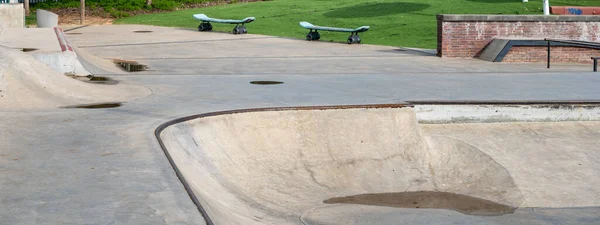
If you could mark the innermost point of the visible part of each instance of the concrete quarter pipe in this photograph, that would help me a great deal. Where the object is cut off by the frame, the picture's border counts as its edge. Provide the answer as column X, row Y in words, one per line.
column 344, row 165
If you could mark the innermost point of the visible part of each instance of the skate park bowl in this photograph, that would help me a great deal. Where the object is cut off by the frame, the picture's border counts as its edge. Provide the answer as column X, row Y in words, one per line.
column 322, row 165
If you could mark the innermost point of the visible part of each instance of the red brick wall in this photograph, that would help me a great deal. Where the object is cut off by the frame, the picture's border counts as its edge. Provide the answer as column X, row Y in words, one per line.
column 465, row 36
column 557, row 54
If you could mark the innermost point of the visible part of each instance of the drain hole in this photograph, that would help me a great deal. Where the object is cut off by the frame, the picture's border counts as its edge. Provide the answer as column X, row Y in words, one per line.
column 93, row 78
column 73, row 33
column 143, row 31
column 29, row 49
column 96, row 80
column 429, row 199
column 265, row 82
column 130, row 66
column 96, row 106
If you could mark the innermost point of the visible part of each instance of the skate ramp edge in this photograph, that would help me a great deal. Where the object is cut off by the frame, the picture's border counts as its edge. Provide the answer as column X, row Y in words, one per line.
column 273, row 165
column 26, row 83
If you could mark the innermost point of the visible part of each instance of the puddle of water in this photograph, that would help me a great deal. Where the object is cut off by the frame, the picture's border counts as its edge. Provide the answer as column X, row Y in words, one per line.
column 429, row 199
column 130, row 66
column 29, row 49
column 96, row 106
column 265, row 82
column 143, row 31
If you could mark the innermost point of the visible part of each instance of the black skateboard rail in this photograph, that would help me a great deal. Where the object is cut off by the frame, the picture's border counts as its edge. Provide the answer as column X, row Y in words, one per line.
column 573, row 43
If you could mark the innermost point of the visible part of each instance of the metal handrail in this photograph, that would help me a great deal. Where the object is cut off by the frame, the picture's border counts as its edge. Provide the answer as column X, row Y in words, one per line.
column 575, row 43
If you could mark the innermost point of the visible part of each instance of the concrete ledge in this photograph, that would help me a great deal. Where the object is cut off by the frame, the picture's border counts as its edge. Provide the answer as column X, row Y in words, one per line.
column 515, row 18
column 46, row 19
column 442, row 112
column 12, row 15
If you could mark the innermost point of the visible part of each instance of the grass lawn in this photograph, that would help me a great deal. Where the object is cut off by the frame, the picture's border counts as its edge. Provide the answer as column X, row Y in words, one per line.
column 409, row 23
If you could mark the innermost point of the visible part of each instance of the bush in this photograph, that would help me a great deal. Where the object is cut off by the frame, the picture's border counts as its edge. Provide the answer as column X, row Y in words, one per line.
column 118, row 8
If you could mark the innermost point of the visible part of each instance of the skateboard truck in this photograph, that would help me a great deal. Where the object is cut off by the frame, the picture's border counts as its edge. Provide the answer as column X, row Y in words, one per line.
column 313, row 35
column 354, row 38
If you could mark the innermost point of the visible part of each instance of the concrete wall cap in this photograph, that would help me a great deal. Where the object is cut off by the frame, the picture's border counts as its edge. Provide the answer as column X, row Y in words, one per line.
column 515, row 18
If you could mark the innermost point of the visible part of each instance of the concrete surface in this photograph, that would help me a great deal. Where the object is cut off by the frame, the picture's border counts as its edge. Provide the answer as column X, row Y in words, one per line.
column 277, row 165
column 48, row 46
column 41, row 39
column 12, row 15
column 46, row 19
column 104, row 166
column 28, row 84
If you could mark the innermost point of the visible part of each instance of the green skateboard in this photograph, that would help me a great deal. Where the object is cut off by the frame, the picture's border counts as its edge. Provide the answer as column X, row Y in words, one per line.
column 314, row 35
column 206, row 26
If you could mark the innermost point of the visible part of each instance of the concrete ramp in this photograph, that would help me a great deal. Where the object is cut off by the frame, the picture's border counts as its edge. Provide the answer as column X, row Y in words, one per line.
column 26, row 83
column 282, row 166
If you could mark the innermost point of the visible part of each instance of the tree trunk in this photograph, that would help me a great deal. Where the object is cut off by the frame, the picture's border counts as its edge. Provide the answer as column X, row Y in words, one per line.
column 148, row 2
column 26, row 6
column 82, row 11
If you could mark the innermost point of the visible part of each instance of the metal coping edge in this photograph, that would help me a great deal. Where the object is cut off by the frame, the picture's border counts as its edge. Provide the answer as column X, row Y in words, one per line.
column 408, row 104
column 187, row 187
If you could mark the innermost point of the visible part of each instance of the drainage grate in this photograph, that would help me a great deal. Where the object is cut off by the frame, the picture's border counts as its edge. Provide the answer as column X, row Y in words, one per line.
column 130, row 66
column 266, row 82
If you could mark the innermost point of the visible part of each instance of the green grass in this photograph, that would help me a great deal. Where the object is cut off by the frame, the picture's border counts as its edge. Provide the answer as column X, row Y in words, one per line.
column 31, row 19
column 410, row 23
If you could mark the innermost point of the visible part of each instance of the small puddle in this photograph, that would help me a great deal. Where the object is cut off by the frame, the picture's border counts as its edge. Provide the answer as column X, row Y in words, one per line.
column 130, row 66
column 96, row 106
column 143, row 31
column 429, row 199
column 29, row 49
column 265, row 82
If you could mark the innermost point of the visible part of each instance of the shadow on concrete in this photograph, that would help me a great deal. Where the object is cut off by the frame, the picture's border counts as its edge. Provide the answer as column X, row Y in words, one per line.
column 377, row 9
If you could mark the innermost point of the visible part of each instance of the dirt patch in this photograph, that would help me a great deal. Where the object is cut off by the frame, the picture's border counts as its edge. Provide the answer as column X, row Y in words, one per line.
column 429, row 199
column 70, row 16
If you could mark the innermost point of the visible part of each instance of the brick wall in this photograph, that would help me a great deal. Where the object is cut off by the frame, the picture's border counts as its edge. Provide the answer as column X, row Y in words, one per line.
column 557, row 54
column 465, row 36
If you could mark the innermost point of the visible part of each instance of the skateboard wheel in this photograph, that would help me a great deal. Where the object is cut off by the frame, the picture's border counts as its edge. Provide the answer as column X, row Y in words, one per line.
column 236, row 30
column 316, row 36
column 353, row 39
column 309, row 37
column 204, row 27
column 243, row 30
